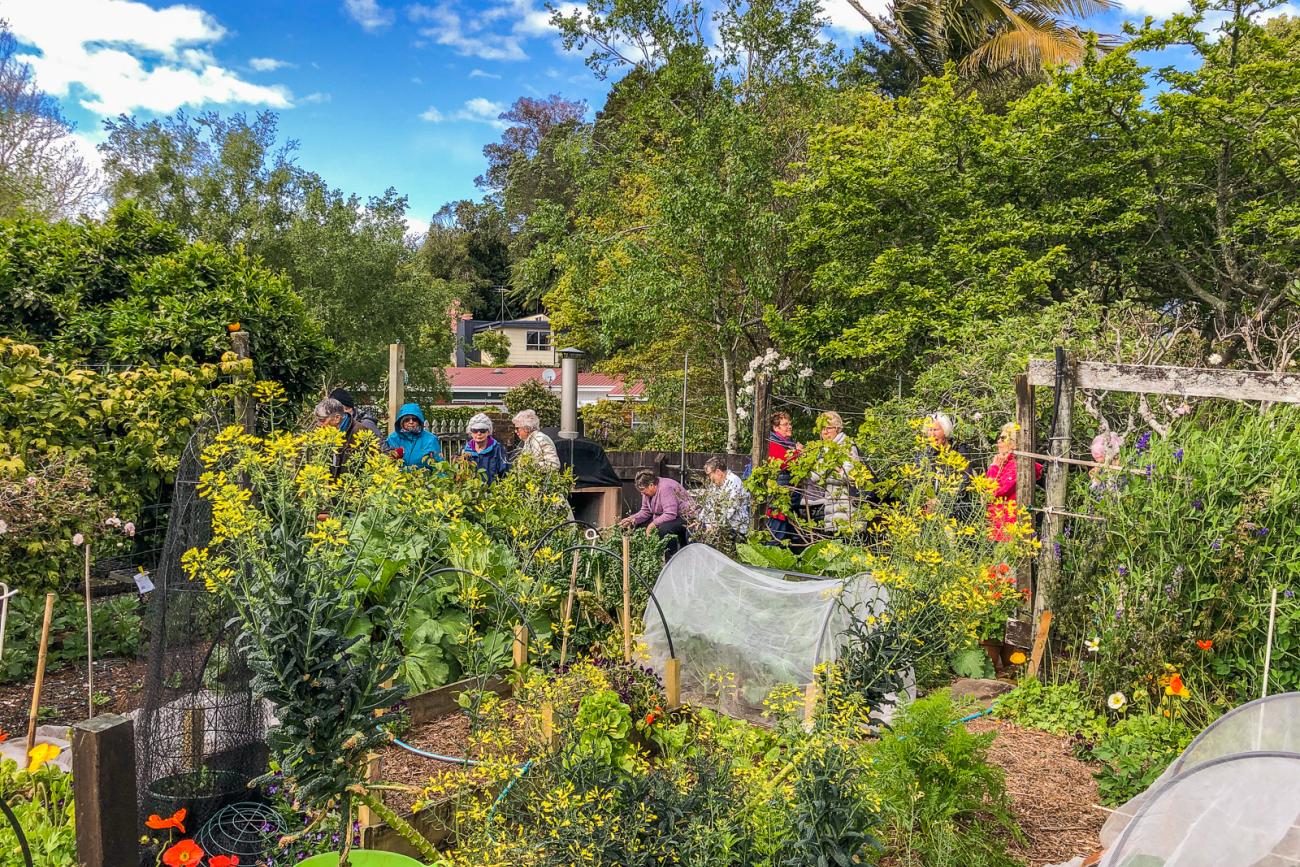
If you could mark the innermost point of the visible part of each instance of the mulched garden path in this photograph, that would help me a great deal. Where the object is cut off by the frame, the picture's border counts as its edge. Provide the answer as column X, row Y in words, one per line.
column 446, row 736
column 63, row 695
column 1052, row 793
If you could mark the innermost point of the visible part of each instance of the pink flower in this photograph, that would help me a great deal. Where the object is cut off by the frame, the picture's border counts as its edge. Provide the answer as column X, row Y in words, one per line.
column 113, row 521
column 78, row 539
column 129, row 529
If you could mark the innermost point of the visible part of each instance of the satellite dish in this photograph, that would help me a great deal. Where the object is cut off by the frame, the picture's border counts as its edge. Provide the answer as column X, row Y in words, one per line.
column 548, row 376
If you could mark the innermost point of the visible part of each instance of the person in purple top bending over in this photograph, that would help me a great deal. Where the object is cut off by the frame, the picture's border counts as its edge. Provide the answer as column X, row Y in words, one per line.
column 665, row 509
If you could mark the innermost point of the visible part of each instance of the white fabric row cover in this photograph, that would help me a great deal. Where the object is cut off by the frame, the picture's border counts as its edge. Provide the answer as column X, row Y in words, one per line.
column 740, row 631
column 1231, row 798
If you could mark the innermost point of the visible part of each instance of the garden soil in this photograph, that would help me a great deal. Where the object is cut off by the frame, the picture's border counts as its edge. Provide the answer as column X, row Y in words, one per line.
column 1052, row 793
column 63, row 695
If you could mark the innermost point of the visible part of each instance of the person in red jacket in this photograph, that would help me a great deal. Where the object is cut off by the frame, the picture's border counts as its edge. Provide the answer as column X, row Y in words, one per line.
column 1002, row 508
column 782, row 448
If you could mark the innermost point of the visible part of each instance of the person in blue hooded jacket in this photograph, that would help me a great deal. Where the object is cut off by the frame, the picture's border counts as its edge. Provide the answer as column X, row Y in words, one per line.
column 483, row 450
column 419, row 448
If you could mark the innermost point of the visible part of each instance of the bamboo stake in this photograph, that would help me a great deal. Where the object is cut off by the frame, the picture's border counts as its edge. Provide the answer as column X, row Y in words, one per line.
column 809, row 705
column 627, row 599
column 568, row 609
column 90, row 646
column 40, row 672
column 521, row 646
column 1268, row 648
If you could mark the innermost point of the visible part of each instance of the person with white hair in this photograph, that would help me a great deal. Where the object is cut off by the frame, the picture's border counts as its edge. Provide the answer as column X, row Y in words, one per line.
column 536, row 444
column 483, row 450
column 938, row 430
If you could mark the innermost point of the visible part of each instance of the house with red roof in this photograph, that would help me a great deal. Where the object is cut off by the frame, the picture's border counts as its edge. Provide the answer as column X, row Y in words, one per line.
column 485, row 386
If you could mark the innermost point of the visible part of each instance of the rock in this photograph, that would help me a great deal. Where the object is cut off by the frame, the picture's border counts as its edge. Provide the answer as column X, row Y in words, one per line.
column 979, row 689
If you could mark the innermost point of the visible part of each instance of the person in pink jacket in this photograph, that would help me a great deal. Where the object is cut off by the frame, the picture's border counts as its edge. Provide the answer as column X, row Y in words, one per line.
column 1002, row 508
column 666, row 508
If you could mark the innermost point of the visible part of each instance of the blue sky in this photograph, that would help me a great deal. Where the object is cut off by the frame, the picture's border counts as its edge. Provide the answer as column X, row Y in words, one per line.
column 377, row 92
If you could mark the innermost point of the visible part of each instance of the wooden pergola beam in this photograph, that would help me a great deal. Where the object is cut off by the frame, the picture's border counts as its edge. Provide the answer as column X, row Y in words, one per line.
column 1175, row 381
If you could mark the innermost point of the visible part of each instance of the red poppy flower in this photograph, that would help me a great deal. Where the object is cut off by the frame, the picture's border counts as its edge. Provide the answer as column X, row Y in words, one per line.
column 1204, row 643
column 223, row 861
column 4, row 736
column 1003, row 568
column 186, row 853
column 398, row 453
column 175, row 820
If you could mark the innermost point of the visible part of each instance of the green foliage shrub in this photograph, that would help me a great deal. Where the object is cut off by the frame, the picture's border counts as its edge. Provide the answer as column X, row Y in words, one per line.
column 116, row 623
column 130, row 290
column 127, row 428
column 1133, row 752
column 1061, row 709
column 531, row 394
column 42, row 802
column 941, row 802
column 1190, row 549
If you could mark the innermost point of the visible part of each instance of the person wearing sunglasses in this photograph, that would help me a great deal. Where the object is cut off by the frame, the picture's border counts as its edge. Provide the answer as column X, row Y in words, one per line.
column 483, row 450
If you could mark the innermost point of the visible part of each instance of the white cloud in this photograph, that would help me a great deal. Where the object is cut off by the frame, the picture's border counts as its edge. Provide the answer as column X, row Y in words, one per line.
column 470, row 38
column 369, row 14
column 125, row 56
column 316, row 98
column 1155, row 8
column 479, row 73
column 844, row 18
column 268, row 64
column 477, row 110
column 416, row 228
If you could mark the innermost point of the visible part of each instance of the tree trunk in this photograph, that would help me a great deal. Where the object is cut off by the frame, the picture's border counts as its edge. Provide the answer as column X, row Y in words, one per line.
column 729, row 395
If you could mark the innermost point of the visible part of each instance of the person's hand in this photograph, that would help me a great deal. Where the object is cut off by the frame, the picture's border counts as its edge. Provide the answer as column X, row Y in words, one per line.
column 625, row 523
column 649, row 528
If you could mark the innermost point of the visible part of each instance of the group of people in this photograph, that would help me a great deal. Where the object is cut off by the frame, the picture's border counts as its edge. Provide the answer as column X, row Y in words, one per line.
column 416, row 447
column 824, row 501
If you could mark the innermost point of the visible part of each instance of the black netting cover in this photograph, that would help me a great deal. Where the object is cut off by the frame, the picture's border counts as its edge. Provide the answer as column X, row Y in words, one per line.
column 591, row 469
column 200, row 734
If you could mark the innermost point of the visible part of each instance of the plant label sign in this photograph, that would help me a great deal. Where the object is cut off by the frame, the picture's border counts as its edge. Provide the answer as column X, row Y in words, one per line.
column 142, row 582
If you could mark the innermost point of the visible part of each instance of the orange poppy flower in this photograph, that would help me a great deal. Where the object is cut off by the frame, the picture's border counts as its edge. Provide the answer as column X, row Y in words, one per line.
column 223, row 861
column 1176, row 687
column 186, row 853
column 1204, row 644
column 175, row 820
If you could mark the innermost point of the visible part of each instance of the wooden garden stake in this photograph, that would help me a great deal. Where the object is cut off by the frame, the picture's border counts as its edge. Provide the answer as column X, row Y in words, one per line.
column 1040, row 644
column 1024, row 469
column 627, row 599
column 396, row 382
column 568, row 609
column 521, row 646
column 365, row 817
column 40, row 672
column 90, row 647
column 673, row 682
column 809, row 705
column 192, row 736
column 548, row 724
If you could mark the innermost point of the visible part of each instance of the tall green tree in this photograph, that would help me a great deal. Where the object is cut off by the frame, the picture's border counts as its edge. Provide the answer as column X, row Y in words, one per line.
column 232, row 181
column 679, row 241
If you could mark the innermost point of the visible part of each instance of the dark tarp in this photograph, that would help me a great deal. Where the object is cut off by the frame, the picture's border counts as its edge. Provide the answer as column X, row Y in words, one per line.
column 591, row 469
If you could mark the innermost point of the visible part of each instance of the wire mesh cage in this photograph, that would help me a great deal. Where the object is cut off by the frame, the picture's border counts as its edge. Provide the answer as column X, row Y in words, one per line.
column 200, row 733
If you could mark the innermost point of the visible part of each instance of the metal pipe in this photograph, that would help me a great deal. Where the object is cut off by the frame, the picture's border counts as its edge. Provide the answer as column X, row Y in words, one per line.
column 569, row 393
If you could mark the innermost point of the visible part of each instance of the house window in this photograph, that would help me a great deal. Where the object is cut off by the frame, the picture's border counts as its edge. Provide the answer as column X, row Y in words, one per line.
column 539, row 341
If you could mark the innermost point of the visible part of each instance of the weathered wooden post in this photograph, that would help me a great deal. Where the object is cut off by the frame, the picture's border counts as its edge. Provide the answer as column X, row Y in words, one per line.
column 1049, row 564
column 1024, row 465
column 758, row 451
column 396, row 382
column 568, row 609
column 241, row 345
column 103, row 783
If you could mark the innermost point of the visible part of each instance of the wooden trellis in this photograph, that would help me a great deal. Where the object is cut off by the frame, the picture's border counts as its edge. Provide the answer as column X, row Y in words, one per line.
column 1072, row 375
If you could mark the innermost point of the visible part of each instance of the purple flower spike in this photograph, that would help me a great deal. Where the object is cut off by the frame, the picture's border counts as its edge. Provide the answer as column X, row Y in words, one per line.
column 1144, row 442
column 1178, row 455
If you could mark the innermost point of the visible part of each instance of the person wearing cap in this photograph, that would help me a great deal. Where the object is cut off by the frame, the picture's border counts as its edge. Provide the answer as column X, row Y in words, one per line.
column 355, row 419
column 416, row 446
column 483, row 450
column 536, row 444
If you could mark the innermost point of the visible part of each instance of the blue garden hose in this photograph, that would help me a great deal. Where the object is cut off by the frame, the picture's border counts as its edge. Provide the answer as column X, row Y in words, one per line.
column 458, row 760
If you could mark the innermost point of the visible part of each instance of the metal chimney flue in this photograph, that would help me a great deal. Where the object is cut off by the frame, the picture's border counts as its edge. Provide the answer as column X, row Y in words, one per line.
column 569, row 393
